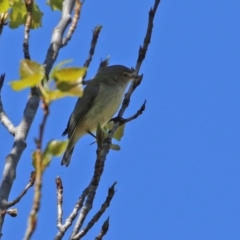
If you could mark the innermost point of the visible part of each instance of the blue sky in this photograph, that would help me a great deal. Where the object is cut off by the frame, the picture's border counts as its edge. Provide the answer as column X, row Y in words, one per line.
column 179, row 164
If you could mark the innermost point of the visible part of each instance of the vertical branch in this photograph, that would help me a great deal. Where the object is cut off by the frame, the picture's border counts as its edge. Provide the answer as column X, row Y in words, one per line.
column 59, row 201
column 95, row 35
column 32, row 219
column 147, row 39
column 27, row 26
column 56, row 42
column 77, row 10
column 3, row 117
column 21, row 131
column 98, row 170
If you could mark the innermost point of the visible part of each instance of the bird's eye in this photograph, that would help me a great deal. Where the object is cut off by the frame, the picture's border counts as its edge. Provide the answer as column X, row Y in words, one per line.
column 125, row 74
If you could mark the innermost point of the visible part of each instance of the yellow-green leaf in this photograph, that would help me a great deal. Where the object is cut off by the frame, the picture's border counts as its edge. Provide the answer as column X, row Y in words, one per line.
column 17, row 14
column 119, row 133
column 68, row 74
column 109, row 125
column 35, row 158
column 115, row 147
column 120, row 130
column 60, row 65
column 46, row 160
column 53, row 148
column 28, row 68
column 4, row 5
column 31, row 73
column 36, row 17
column 55, row 4
column 57, row 148
column 57, row 94
column 31, row 81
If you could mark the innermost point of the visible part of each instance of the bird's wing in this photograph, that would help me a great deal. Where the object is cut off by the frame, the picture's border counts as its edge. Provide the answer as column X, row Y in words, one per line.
column 82, row 106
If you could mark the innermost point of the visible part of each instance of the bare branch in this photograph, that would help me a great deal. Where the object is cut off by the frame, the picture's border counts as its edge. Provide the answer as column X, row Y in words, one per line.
column 21, row 132
column 30, row 184
column 3, row 117
column 59, row 201
column 95, row 35
column 98, row 170
column 104, row 230
column 56, row 41
column 78, row 6
column 32, row 219
column 71, row 218
column 96, row 217
column 147, row 39
column 9, row 171
column 126, row 120
column 42, row 126
column 141, row 56
column 29, row 6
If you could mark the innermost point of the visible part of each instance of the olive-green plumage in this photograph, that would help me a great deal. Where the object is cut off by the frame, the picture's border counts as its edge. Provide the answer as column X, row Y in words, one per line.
column 101, row 99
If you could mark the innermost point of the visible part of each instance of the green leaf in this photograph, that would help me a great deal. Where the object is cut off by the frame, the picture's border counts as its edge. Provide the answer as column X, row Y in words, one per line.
column 119, row 133
column 57, row 94
column 17, row 14
column 53, row 148
column 28, row 68
column 68, row 74
column 36, row 17
column 120, row 130
column 34, row 155
column 31, row 73
column 4, row 5
column 55, row 4
column 26, row 82
column 56, row 148
column 115, row 147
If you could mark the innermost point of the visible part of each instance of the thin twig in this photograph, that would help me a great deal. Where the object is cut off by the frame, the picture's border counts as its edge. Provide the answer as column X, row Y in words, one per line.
column 95, row 35
column 98, row 170
column 104, row 230
column 42, row 125
column 21, row 133
column 63, row 228
column 59, row 200
column 30, row 184
column 126, row 120
column 102, row 151
column 141, row 56
column 147, row 39
column 32, row 219
column 78, row 7
column 3, row 117
column 95, row 218
column 57, row 36
column 27, row 26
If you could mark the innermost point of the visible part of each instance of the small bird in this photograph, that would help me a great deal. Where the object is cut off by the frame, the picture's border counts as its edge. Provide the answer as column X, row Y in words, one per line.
column 101, row 99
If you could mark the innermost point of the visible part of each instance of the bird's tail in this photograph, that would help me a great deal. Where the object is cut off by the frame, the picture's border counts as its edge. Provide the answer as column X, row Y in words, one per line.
column 67, row 157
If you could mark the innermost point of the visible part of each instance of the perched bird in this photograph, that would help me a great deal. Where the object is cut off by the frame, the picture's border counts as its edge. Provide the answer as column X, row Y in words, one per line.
column 101, row 99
